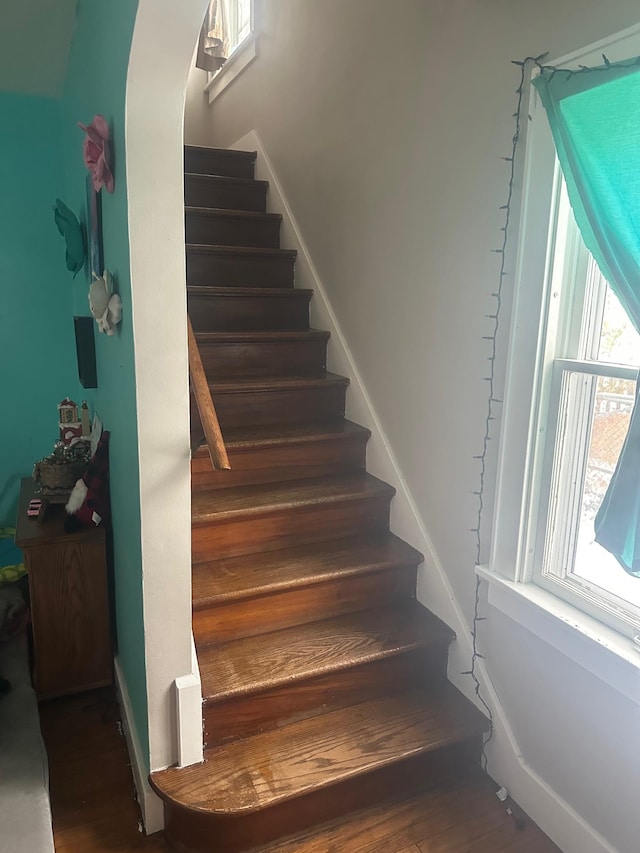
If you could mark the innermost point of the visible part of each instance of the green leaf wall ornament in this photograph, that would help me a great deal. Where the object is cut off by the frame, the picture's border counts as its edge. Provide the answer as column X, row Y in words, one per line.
column 74, row 236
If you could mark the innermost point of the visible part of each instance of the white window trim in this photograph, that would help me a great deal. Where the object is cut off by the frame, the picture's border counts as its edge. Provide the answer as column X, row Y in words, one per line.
column 241, row 57
column 601, row 650
column 597, row 648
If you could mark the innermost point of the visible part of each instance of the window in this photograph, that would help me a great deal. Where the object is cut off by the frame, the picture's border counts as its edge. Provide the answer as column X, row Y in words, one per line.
column 591, row 355
column 239, row 23
column 236, row 19
column 570, row 390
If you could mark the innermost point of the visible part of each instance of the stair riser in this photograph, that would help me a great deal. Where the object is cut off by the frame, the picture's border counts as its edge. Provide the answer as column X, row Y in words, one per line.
column 248, row 313
column 213, row 230
column 280, row 464
column 270, row 709
column 216, row 270
column 192, row 832
column 261, row 614
column 270, row 358
column 207, row 192
column 285, row 528
column 209, row 161
column 292, row 406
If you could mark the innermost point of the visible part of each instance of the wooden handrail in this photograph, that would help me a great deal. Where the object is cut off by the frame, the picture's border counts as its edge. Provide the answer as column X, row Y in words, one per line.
column 206, row 409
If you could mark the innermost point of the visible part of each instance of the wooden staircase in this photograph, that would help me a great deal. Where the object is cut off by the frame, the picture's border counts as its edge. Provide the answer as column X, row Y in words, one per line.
column 324, row 681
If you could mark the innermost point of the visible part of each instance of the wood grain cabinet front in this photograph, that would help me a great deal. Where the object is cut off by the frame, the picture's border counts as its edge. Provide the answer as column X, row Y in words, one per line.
column 69, row 602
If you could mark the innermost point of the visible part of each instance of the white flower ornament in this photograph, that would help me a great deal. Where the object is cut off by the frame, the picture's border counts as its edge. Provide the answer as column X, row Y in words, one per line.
column 105, row 305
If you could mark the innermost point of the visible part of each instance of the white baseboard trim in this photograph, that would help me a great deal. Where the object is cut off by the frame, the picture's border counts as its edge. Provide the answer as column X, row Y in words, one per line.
column 150, row 804
column 188, row 690
column 506, row 763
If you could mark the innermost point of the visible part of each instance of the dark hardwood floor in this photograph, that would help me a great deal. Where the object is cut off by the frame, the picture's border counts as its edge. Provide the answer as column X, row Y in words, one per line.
column 92, row 794
column 94, row 810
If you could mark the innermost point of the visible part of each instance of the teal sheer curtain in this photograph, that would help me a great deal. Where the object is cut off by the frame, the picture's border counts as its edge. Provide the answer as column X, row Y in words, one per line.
column 594, row 116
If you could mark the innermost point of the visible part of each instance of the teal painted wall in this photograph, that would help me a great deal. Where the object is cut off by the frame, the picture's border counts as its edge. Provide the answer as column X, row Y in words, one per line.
column 96, row 83
column 38, row 362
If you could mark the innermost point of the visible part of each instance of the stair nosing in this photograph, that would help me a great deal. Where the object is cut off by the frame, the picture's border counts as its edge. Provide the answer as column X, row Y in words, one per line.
column 355, row 431
column 301, row 675
column 206, row 290
column 377, row 488
column 247, row 182
column 249, row 251
column 232, row 152
column 262, row 335
column 411, row 559
column 258, row 384
column 231, row 213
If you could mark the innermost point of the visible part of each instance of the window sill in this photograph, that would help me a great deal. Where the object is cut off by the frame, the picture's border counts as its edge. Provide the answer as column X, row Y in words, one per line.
column 599, row 649
column 243, row 55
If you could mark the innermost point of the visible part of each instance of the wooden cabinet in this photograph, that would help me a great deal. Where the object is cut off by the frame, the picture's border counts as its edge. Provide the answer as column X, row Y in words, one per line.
column 69, row 601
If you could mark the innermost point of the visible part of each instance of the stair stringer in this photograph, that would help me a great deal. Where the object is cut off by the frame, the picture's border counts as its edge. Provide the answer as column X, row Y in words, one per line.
column 506, row 762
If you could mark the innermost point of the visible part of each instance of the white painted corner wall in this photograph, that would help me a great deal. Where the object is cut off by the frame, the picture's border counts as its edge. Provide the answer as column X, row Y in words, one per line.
column 507, row 764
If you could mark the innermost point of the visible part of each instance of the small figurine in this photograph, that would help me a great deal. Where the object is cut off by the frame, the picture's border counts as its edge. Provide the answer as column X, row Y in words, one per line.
column 68, row 423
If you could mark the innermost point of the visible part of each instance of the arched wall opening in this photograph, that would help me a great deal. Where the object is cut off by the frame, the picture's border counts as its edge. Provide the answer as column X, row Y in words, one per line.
column 162, row 48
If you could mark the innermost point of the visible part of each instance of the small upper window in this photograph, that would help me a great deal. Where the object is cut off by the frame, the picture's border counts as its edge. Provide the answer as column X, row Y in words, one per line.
column 227, row 42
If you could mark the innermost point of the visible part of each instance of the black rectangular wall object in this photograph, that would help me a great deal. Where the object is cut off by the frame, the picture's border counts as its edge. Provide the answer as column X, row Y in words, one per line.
column 86, row 351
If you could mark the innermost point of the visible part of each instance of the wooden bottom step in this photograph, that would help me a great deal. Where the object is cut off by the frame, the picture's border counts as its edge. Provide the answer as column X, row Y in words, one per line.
column 260, row 788
column 462, row 816
column 259, row 772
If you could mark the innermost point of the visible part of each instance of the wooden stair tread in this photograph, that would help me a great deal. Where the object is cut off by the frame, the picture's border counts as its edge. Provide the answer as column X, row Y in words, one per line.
column 227, row 153
column 223, row 504
column 458, row 816
column 269, row 768
column 263, row 292
column 261, row 336
column 252, row 251
column 224, row 179
column 240, row 438
column 243, row 384
column 265, row 661
column 235, row 578
column 228, row 213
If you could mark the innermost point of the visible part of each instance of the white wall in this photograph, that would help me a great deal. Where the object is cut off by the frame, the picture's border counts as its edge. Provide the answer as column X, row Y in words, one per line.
column 154, row 111
column 386, row 124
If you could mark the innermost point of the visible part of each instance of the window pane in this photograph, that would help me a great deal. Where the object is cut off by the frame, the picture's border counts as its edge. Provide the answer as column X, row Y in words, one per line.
column 619, row 341
column 613, row 403
column 244, row 19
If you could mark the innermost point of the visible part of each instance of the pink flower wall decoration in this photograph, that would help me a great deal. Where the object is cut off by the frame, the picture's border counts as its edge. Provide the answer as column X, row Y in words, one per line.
column 95, row 151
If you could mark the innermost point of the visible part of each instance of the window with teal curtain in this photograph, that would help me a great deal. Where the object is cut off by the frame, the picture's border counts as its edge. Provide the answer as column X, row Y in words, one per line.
column 594, row 116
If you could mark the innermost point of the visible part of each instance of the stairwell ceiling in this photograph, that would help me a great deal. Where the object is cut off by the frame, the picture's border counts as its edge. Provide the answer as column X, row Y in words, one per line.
column 35, row 40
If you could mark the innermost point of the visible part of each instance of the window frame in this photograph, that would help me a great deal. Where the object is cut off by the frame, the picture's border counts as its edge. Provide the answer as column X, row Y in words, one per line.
column 242, row 56
column 527, row 386
column 576, row 294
